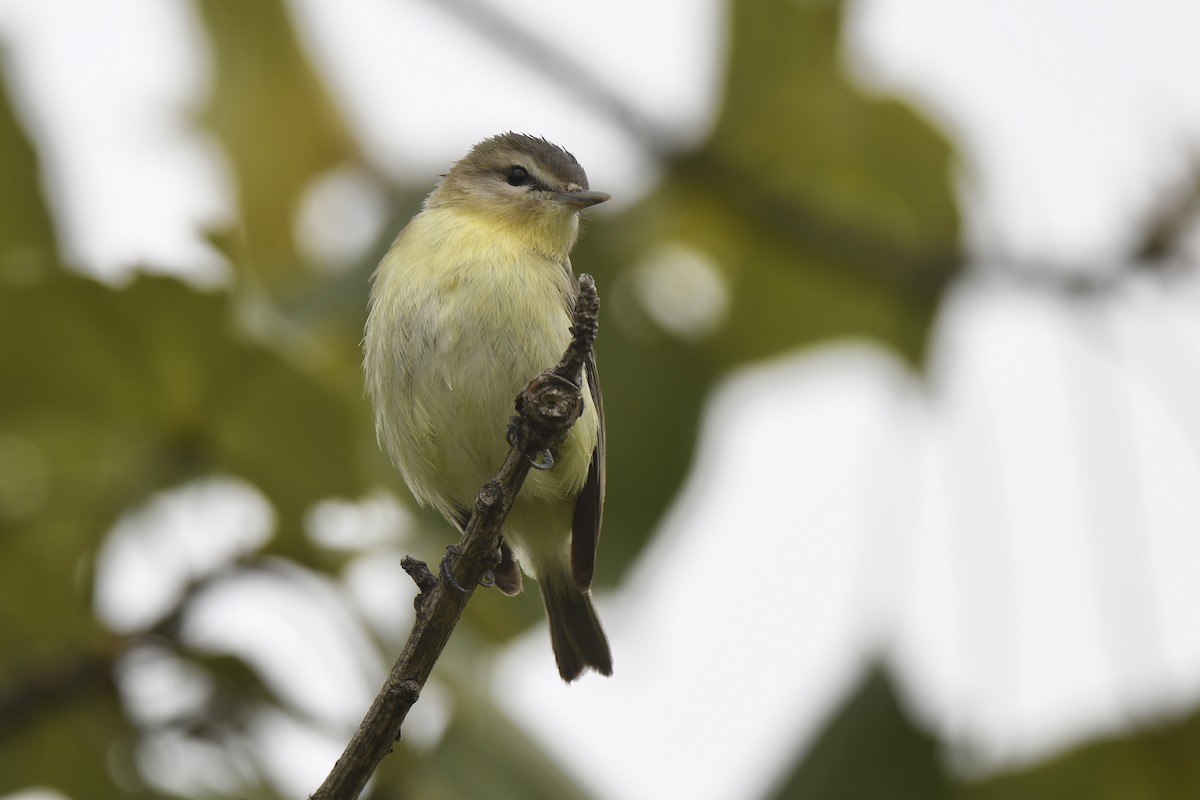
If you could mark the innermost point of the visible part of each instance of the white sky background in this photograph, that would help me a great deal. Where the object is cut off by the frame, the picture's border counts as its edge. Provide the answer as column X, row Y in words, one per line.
column 1022, row 540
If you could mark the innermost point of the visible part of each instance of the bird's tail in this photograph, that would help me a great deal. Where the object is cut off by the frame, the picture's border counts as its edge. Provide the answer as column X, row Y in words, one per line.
column 575, row 632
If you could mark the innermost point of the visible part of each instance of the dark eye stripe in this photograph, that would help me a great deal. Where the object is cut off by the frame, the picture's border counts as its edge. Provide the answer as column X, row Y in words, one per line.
column 517, row 175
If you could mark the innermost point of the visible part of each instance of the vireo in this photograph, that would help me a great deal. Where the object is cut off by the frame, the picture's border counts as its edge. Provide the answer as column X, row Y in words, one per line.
column 474, row 299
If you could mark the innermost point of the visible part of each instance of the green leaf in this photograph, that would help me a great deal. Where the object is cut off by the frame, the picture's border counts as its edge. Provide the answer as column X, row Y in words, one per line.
column 114, row 394
column 157, row 375
column 828, row 212
column 869, row 750
column 76, row 741
column 277, row 124
column 1155, row 762
column 26, row 234
column 823, row 212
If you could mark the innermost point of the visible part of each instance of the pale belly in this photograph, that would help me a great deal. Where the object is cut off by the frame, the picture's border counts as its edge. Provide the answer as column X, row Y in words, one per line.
column 455, row 360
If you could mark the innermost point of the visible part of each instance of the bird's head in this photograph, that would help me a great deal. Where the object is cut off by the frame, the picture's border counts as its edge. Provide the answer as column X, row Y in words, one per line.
column 522, row 185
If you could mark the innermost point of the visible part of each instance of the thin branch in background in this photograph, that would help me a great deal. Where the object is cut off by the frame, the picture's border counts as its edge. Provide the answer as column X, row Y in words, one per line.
column 1126, row 588
column 777, row 214
column 1159, row 247
column 545, row 59
column 1165, row 231
column 803, row 224
column 548, row 407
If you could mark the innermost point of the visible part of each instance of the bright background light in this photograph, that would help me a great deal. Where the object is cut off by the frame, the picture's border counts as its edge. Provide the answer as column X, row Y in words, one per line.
column 1019, row 533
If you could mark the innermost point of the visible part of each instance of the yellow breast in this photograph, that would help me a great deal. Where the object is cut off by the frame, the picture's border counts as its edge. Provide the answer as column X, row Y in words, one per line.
column 463, row 315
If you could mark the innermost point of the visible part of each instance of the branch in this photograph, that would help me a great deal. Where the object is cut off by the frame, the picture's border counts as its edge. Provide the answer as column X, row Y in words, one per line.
column 547, row 407
column 566, row 68
column 1168, row 223
column 805, row 224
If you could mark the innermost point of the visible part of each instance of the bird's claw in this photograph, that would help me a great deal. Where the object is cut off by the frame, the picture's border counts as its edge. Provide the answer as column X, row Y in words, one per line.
column 487, row 581
column 543, row 461
column 444, row 568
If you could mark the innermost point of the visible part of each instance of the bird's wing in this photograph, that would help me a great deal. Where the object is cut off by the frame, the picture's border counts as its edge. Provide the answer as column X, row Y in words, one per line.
column 589, row 505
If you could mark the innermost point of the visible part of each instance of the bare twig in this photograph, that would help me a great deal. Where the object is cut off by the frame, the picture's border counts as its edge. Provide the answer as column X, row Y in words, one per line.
column 806, row 225
column 565, row 68
column 1167, row 225
column 548, row 408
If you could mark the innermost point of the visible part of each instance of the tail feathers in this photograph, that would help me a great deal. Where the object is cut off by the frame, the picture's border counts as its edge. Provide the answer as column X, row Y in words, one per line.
column 575, row 632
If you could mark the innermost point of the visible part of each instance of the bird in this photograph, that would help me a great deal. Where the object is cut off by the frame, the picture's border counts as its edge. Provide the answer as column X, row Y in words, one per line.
column 472, row 300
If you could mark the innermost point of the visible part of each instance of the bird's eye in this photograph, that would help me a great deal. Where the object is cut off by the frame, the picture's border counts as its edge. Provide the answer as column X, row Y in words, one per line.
column 517, row 176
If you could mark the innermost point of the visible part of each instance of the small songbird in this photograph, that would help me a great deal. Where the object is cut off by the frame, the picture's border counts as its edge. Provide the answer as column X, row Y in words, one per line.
column 473, row 300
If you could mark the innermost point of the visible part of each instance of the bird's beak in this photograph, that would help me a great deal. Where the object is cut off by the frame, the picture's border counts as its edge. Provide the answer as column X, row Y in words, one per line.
column 582, row 199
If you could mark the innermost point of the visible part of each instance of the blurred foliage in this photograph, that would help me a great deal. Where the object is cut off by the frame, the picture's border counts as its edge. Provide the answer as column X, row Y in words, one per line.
column 824, row 213
column 818, row 211
column 505, row 763
column 1158, row 761
column 277, row 126
column 26, row 237
column 872, row 748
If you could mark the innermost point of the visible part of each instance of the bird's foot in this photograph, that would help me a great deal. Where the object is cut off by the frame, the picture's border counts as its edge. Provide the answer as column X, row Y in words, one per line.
column 543, row 462
column 444, row 568
column 487, row 581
